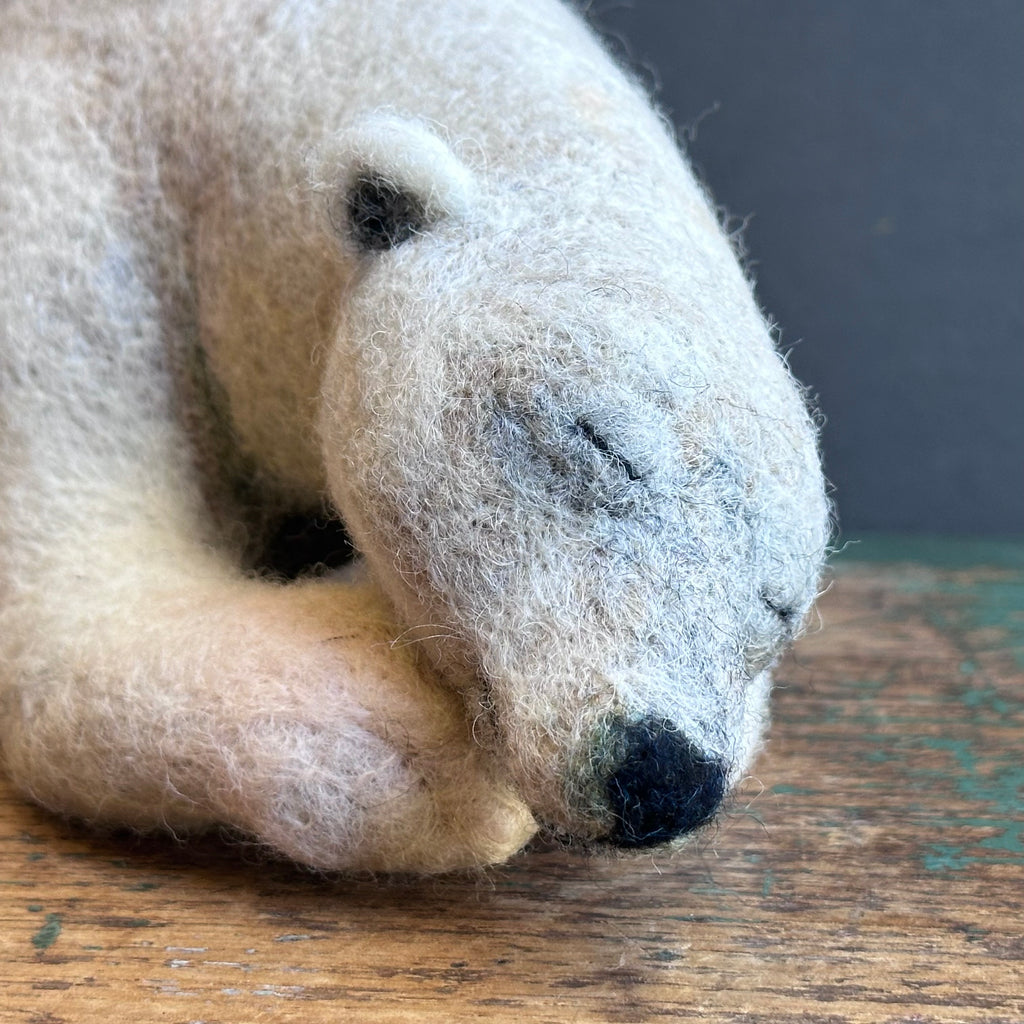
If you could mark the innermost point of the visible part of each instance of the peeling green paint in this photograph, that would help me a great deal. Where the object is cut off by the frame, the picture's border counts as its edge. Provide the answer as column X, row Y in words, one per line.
column 972, row 932
column 962, row 743
column 989, row 597
column 965, row 606
column 991, row 780
column 987, row 698
column 47, row 935
column 950, row 857
column 1000, row 783
column 665, row 956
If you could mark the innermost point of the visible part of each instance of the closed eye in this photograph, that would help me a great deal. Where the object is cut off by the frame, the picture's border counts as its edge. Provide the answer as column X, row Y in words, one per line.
column 601, row 443
column 569, row 459
column 783, row 612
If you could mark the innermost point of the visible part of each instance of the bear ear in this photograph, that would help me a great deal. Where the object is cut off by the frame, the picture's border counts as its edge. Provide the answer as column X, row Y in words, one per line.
column 388, row 178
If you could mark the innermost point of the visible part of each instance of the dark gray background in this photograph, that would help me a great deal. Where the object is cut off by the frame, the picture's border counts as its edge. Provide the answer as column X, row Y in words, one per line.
column 879, row 147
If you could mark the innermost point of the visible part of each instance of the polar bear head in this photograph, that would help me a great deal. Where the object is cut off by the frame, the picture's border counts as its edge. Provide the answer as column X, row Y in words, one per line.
column 555, row 424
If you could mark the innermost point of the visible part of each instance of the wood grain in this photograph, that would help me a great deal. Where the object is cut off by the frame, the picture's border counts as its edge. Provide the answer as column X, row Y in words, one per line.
column 872, row 871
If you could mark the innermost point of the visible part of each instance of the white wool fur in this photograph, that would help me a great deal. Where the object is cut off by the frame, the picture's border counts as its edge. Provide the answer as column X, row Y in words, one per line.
column 586, row 488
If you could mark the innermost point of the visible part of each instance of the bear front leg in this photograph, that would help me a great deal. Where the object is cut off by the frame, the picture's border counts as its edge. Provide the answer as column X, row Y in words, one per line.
column 143, row 679
column 286, row 711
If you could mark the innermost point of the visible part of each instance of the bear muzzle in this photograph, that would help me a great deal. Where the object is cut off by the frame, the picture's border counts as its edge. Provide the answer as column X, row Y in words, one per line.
column 641, row 783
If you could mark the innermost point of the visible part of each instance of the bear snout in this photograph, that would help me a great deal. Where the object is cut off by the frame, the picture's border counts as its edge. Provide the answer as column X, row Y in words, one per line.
column 663, row 785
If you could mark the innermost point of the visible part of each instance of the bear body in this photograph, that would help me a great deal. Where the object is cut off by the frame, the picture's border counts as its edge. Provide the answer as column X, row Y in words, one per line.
column 439, row 270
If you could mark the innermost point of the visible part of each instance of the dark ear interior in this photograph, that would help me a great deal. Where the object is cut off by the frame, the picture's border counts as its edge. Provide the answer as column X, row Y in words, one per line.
column 381, row 214
column 305, row 544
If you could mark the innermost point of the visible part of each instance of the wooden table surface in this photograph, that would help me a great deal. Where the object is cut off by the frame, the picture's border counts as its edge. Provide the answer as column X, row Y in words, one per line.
column 872, row 871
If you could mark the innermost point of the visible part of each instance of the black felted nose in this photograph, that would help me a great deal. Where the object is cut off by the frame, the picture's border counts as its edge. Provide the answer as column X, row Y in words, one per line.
column 663, row 786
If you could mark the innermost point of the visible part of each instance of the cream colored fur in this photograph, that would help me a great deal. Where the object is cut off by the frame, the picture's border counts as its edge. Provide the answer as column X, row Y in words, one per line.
column 553, row 421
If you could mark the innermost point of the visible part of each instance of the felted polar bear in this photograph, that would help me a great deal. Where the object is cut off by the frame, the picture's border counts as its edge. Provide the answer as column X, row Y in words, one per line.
column 437, row 269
